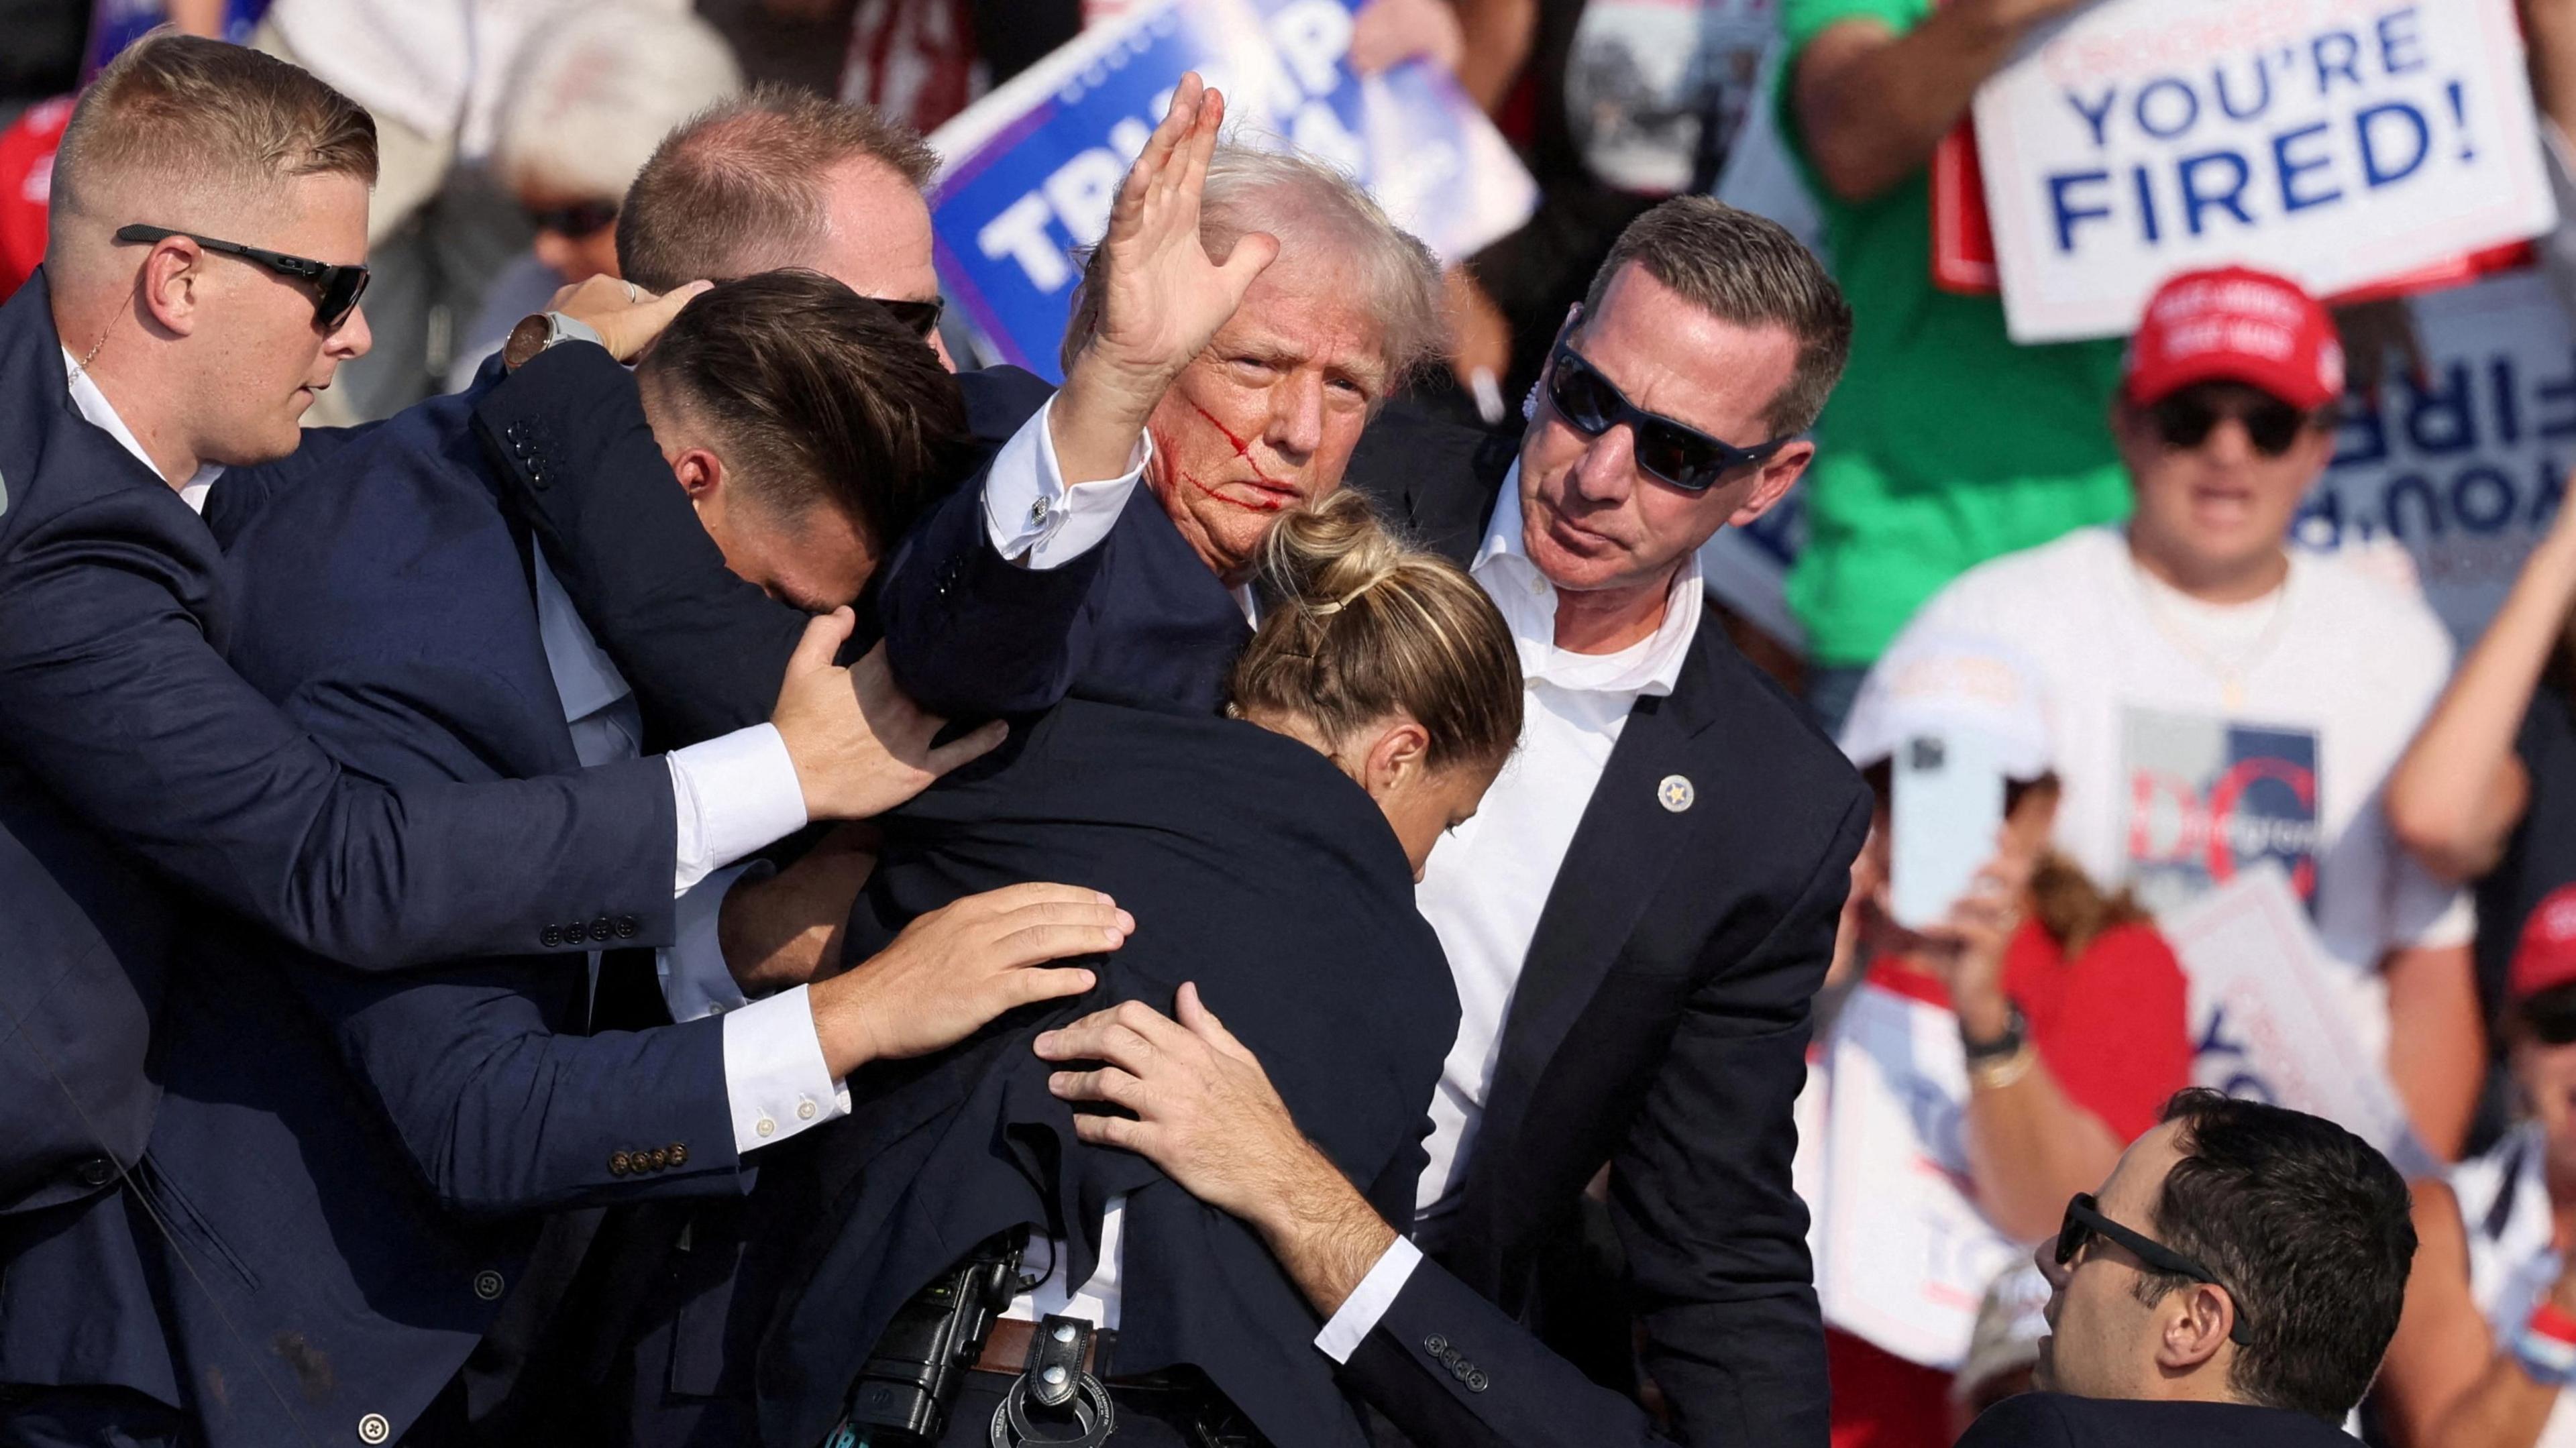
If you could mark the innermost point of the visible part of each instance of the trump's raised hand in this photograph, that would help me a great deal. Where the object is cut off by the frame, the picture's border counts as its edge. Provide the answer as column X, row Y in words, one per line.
column 1162, row 296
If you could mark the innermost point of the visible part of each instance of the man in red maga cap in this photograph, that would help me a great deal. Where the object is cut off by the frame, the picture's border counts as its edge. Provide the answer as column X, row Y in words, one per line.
column 2227, row 700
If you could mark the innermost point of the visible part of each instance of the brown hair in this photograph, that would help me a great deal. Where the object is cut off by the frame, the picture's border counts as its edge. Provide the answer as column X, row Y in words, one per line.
column 817, row 396
column 179, row 116
column 2063, row 899
column 1744, row 269
column 1312, row 210
column 1357, row 625
column 740, row 187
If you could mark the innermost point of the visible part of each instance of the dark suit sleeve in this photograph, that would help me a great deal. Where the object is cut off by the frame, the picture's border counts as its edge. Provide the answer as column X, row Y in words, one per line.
column 502, row 1115
column 1700, row 1189
column 1454, row 1371
column 703, row 650
column 111, row 697
column 971, row 634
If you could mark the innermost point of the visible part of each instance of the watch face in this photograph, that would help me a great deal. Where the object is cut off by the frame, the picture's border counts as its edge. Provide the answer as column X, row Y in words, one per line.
column 526, row 340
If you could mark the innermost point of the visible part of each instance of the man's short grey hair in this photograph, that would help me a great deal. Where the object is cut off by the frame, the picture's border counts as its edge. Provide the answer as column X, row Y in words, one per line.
column 1313, row 210
column 597, row 92
column 1748, row 270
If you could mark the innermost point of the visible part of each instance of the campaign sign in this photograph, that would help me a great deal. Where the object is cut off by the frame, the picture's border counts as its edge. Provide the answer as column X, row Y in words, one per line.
column 2339, row 142
column 1029, row 173
column 2465, row 467
column 1903, row 1252
column 2267, row 1021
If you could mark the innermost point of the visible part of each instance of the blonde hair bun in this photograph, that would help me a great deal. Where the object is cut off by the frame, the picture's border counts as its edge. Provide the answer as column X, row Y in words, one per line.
column 1358, row 625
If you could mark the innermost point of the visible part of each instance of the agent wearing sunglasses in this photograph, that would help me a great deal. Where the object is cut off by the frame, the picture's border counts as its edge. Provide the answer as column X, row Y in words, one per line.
column 2487, row 1349
column 2224, row 698
column 2234, row 1281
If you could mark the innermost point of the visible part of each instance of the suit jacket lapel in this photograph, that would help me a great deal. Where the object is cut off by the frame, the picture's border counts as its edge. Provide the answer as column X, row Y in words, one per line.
column 1622, row 850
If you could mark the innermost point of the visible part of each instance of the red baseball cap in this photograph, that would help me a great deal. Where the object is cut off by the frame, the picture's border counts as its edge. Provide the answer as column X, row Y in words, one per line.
column 2236, row 324
column 2546, row 957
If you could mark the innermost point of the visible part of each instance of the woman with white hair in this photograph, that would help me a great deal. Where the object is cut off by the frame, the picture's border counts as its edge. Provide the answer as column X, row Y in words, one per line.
column 590, row 101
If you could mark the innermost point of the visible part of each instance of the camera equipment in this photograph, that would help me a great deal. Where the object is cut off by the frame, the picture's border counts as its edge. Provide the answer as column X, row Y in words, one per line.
column 902, row 1395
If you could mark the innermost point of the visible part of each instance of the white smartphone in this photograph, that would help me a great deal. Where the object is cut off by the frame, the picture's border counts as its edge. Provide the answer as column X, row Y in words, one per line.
column 1946, row 806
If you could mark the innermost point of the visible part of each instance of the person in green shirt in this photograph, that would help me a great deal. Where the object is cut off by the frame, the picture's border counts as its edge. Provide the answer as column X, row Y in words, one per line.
column 1947, row 445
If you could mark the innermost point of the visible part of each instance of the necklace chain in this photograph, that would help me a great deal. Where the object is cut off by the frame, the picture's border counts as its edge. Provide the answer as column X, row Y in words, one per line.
column 2229, row 671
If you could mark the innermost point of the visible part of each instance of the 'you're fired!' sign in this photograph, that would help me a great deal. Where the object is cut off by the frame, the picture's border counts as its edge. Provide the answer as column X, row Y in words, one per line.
column 2340, row 142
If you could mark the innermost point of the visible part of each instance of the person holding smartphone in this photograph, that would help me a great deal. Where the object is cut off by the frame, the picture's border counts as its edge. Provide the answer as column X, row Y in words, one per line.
column 2071, row 1009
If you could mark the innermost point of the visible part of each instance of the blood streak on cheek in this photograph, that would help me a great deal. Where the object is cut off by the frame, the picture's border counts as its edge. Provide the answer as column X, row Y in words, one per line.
column 1243, row 450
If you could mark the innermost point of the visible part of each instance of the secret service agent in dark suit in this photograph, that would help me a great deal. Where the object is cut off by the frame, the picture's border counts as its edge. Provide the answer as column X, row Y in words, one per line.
column 132, row 756
column 1290, row 902
column 2054, row 1420
column 701, row 646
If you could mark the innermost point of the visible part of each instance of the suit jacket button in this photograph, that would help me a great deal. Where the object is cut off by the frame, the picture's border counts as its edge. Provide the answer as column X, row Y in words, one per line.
column 602, row 928
column 661, row 1157
column 373, row 1429
column 97, row 1171
column 550, row 937
column 679, row 1154
column 626, row 927
column 619, row 1163
column 1478, row 1382
column 487, row 1285
column 575, row 933
column 1435, row 1344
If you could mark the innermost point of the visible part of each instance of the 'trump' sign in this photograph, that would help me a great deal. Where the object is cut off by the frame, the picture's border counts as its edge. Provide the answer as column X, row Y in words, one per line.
column 1030, row 172
column 2340, row 142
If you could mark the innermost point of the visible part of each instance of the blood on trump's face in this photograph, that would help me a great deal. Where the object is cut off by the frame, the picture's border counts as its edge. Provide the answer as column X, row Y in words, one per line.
column 1265, row 418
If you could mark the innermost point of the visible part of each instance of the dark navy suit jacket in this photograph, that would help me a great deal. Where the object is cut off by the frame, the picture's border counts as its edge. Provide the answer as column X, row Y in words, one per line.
column 1252, row 866
column 131, row 756
column 349, row 1164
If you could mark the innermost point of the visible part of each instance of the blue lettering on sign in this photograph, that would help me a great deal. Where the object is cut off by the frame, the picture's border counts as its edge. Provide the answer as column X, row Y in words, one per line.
column 2365, row 141
column 2233, row 1058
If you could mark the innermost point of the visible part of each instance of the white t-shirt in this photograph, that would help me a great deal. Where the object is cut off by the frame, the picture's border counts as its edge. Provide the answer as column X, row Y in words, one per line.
column 2194, row 740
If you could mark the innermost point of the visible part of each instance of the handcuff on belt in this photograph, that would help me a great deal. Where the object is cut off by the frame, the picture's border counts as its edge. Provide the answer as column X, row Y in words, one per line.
column 1056, row 1391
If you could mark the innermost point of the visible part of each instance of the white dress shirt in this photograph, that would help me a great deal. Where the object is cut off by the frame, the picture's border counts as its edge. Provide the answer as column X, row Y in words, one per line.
column 731, row 795
column 1488, row 880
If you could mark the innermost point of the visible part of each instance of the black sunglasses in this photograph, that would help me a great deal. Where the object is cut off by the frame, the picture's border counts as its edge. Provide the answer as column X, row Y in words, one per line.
column 2186, row 419
column 1669, row 451
column 2084, row 1221
column 581, row 218
column 922, row 318
column 336, row 289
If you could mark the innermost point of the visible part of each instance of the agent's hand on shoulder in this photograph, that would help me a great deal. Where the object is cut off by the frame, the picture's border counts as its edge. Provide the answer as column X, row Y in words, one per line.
column 860, row 745
column 1205, row 1111
column 956, row 968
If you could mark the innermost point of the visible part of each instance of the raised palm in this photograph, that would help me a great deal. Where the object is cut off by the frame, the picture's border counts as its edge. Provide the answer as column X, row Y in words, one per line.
column 1163, row 297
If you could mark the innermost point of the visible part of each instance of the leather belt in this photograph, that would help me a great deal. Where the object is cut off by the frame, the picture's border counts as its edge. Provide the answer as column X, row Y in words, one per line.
column 1006, row 1348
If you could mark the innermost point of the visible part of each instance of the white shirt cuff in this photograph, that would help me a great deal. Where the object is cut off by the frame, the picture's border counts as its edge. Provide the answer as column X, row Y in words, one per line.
column 1369, row 1301
column 734, row 794
column 695, row 979
column 775, row 1081
column 1030, row 510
